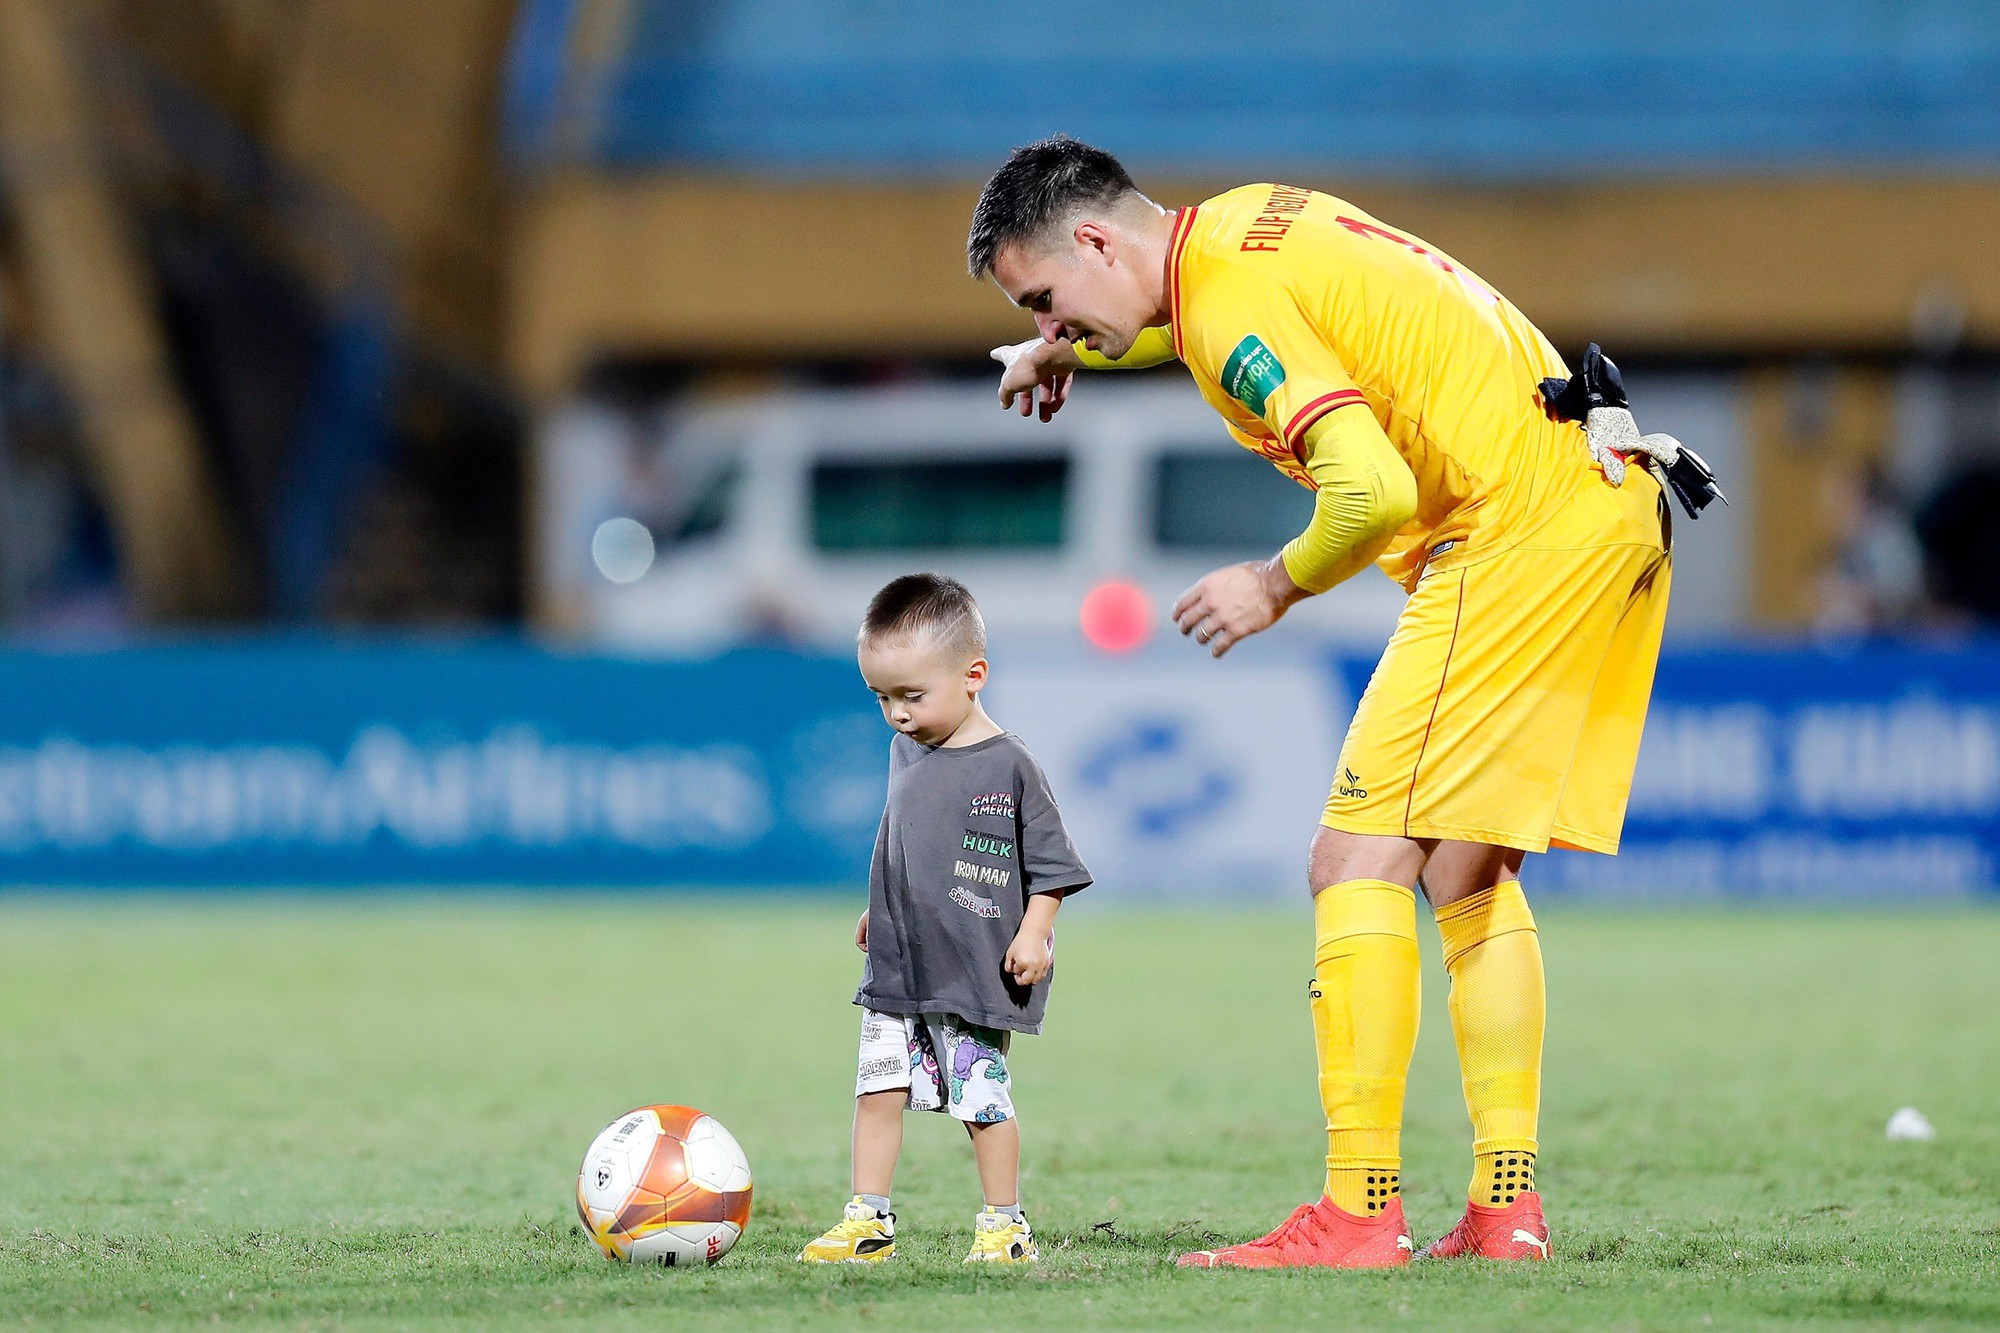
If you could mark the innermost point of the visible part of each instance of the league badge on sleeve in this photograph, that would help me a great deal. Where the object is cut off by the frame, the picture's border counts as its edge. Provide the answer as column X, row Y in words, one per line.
column 1252, row 373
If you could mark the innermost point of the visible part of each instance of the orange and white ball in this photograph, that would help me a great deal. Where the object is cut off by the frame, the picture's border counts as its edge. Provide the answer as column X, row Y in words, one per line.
column 664, row 1185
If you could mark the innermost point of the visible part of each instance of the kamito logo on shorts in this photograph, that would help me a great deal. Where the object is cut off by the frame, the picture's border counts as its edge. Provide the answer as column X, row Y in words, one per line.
column 1349, row 784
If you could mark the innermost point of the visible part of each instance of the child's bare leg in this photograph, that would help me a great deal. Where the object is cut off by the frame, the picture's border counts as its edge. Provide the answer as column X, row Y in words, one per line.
column 878, row 1139
column 996, row 1148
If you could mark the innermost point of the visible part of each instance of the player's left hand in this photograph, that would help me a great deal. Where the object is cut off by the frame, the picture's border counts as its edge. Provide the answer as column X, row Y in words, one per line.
column 1029, row 958
column 1232, row 603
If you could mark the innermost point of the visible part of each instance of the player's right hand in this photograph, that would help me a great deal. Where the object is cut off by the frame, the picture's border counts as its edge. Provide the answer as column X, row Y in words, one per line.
column 1230, row 604
column 1036, row 376
column 861, row 933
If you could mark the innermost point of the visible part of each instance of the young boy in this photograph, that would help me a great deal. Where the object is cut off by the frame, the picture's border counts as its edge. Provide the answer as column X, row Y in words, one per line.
column 970, row 865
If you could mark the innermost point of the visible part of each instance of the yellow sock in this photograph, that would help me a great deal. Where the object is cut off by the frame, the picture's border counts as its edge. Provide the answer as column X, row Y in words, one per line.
column 1498, row 1010
column 1364, row 1005
column 1499, row 1178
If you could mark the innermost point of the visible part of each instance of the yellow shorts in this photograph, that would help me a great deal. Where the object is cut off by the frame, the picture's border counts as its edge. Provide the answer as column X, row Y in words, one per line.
column 1508, row 705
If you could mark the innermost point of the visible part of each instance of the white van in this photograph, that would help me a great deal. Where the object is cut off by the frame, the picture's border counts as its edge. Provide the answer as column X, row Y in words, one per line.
column 776, row 518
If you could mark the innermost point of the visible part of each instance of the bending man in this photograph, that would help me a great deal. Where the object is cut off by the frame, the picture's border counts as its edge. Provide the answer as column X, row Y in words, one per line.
column 1504, row 716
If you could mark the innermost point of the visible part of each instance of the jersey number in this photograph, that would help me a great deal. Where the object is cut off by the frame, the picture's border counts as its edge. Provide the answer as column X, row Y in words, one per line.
column 1471, row 284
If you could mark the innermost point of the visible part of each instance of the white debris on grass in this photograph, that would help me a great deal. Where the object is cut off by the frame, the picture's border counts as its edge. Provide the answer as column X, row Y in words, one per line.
column 1910, row 1125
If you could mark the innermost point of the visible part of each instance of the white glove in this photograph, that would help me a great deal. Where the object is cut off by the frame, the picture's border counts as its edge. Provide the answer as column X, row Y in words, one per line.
column 1612, row 432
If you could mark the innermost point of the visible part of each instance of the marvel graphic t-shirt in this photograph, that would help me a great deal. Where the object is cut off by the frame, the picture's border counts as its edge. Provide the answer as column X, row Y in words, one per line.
column 968, row 834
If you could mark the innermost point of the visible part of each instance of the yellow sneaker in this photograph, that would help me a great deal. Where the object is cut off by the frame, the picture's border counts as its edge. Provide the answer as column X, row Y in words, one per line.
column 863, row 1236
column 999, row 1239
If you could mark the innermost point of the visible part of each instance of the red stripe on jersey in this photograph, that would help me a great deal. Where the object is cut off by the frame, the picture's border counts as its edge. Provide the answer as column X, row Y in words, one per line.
column 1303, row 419
column 1176, row 242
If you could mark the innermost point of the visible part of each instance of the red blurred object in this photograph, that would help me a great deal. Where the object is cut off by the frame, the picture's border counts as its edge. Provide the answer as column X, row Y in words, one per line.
column 1117, row 617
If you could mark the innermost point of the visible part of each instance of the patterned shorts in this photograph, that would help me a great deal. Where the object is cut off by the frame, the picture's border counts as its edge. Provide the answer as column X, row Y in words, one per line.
column 948, row 1064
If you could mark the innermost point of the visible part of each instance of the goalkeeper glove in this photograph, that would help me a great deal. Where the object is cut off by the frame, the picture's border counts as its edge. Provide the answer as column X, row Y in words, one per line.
column 1595, row 396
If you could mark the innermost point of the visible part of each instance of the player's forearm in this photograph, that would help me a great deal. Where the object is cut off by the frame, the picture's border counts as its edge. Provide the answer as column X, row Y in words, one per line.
column 1334, row 549
column 1151, row 348
column 1366, row 493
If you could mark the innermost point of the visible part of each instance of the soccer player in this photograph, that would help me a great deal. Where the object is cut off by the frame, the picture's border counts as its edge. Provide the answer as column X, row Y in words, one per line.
column 1504, row 715
column 970, row 865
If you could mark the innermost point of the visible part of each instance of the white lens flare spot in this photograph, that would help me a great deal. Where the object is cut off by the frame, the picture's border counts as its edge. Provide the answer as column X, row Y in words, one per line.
column 622, row 548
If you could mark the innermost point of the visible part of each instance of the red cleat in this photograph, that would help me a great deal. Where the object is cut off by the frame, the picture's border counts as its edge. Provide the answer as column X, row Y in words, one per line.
column 1514, row 1232
column 1319, row 1235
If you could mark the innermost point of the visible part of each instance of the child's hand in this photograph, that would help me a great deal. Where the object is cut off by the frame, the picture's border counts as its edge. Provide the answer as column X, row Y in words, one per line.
column 1029, row 957
column 861, row 932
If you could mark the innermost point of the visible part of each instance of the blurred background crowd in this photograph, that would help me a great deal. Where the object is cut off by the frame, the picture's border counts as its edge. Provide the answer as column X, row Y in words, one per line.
column 487, row 313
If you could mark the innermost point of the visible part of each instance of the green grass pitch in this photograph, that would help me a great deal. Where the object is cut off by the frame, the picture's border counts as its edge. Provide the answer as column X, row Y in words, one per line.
column 368, row 1112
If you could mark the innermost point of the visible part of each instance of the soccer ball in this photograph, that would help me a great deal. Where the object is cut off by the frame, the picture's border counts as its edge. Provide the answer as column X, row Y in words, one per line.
column 664, row 1185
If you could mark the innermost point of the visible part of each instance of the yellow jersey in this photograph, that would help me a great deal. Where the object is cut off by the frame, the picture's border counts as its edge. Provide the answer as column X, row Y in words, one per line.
column 1287, row 304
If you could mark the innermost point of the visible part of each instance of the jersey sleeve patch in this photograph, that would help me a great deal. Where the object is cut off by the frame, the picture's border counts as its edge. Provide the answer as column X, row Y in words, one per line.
column 1252, row 373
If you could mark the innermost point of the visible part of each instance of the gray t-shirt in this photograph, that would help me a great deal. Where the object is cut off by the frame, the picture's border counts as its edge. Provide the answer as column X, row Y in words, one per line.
column 968, row 834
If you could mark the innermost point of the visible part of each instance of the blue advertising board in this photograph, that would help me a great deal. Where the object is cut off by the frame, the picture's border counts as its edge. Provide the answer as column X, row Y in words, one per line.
column 1864, row 771
column 303, row 763
column 1770, row 772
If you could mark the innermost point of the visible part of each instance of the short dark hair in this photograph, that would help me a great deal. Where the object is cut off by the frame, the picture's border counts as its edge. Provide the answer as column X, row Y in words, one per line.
column 931, row 605
column 1036, row 186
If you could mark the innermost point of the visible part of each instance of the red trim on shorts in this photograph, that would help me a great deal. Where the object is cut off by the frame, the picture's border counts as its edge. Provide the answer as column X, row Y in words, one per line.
column 1303, row 419
column 1444, row 674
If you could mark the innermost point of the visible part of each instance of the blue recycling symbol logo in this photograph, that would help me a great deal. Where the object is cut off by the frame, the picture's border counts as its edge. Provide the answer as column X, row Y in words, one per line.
column 1151, row 767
